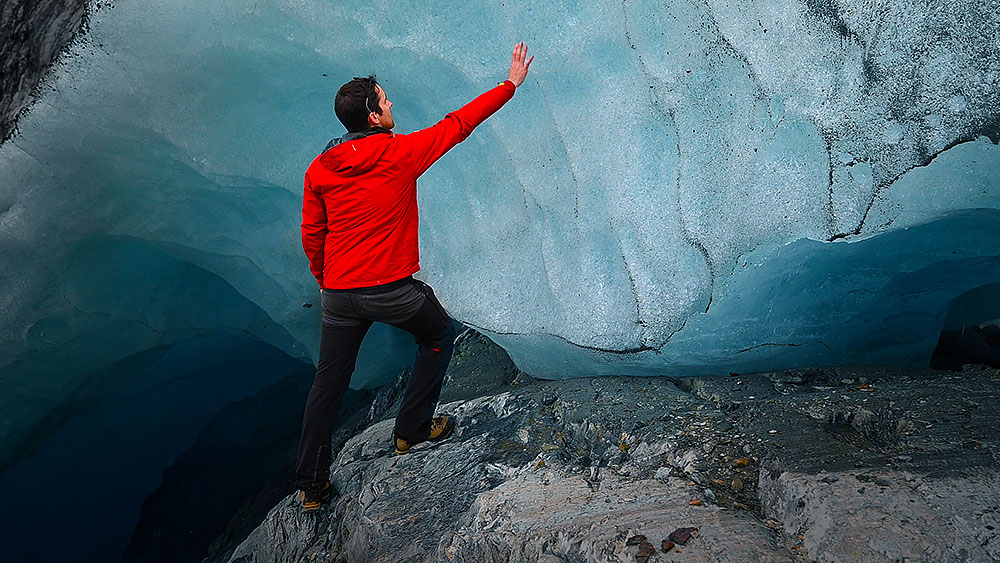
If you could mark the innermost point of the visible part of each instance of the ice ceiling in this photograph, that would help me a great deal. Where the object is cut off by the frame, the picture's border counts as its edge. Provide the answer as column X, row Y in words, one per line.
column 678, row 187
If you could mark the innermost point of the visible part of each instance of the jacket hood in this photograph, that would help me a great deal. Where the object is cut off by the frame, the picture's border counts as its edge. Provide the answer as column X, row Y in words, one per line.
column 345, row 157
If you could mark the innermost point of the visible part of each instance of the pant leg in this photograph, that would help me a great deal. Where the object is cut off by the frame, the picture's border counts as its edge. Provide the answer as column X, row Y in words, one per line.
column 435, row 335
column 338, row 354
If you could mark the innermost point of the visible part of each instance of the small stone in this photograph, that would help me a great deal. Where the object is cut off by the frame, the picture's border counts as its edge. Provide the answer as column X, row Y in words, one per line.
column 667, row 545
column 737, row 484
column 548, row 399
column 741, row 462
column 772, row 431
column 695, row 502
column 307, row 305
column 635, row 540
column 830, row 479
column 904, row 458
column 710, row 495
column 662, row 474
column 646, row 550
column 682, row 535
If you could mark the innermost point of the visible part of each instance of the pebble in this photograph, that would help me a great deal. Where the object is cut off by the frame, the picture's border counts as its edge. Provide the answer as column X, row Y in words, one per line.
column 682, row 535
column 635, row 540
column 646, row 549
column 662, row 474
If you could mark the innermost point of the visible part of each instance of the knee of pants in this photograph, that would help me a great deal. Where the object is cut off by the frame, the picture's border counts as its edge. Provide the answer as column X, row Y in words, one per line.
column 443, row 341
column 333, row 377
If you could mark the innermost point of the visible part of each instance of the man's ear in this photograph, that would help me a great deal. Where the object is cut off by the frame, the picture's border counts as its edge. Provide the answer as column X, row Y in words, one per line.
column 372, row 119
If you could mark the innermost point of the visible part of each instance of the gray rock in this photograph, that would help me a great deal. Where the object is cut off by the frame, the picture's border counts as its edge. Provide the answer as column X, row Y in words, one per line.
column 32, row 34
column 525, row 479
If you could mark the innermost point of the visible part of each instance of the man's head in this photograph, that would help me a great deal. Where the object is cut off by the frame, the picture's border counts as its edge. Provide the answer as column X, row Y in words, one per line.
column 361, row 103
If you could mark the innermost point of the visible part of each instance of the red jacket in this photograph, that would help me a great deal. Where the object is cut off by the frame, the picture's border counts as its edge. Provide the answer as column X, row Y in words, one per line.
column 359, row 208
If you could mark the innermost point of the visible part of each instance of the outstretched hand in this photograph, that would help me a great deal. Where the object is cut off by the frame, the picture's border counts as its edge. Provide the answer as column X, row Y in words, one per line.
column 518, row 64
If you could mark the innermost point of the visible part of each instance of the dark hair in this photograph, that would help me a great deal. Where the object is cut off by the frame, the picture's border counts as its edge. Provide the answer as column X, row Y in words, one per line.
column 355, row 100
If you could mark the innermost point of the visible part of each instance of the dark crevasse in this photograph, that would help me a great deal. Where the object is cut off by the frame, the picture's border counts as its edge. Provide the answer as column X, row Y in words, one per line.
column 220, row 488
column 114, row 298
column 136, row 354
column 77, row 497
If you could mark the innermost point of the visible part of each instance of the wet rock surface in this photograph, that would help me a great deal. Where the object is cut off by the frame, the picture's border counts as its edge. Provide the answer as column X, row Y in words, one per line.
column 32, row 34
column 829, row 464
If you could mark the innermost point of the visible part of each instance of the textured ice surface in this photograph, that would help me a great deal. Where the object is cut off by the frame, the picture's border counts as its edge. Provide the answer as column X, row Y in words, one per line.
column 701, row 186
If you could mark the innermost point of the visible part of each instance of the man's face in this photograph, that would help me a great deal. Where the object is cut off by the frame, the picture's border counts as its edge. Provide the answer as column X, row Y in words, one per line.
column 384, row 120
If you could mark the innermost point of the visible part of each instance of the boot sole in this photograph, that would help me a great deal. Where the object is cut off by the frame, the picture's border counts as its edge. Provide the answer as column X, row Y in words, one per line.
column 448, row 431
column 315, row 505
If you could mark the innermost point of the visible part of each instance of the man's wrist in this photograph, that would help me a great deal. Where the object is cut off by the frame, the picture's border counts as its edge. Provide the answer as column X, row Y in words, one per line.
column 511, row 83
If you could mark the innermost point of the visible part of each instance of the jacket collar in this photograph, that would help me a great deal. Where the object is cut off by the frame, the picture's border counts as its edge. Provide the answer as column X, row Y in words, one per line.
column 355, row 136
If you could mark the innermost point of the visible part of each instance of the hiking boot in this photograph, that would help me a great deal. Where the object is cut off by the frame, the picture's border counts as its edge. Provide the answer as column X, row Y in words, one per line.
column 312, row 500
column 441, row 428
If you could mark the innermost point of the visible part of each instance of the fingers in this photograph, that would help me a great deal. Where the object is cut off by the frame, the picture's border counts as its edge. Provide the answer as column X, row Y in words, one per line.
column 519, row 62
column 520, row 51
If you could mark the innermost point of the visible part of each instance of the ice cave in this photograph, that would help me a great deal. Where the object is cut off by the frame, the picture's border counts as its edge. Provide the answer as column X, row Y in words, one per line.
column 693, row 187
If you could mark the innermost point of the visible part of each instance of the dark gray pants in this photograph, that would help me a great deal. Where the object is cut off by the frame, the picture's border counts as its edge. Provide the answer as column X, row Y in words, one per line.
column 408, row 304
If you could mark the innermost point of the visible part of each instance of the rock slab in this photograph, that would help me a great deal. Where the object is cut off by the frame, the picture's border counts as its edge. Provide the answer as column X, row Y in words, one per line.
column 831, row 464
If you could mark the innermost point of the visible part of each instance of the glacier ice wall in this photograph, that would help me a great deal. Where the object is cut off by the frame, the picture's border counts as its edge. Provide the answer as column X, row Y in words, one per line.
column 691, row 186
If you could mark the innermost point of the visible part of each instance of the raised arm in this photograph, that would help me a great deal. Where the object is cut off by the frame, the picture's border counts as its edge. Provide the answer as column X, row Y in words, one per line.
column 428, row 145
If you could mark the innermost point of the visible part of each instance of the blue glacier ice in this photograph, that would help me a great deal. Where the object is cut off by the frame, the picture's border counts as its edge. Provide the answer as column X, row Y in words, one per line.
column 683, row 187
column 678, row 187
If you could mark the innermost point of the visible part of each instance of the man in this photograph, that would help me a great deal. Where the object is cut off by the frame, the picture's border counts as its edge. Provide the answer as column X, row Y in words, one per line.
column 359, row 230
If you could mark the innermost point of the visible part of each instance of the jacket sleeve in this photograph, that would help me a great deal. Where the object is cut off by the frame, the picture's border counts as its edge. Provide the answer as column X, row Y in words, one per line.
column 428, row 145
column 314, row 228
